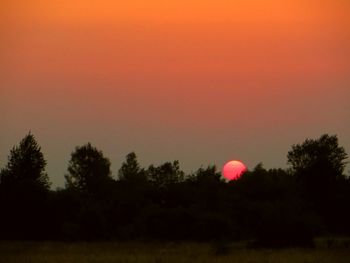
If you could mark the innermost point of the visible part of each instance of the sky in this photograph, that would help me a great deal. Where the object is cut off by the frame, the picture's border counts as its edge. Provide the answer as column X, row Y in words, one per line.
column 199, row 81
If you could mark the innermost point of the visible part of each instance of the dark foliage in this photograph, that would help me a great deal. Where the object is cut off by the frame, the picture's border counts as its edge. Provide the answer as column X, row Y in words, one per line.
column 272, row 208
column 319, row 168
column 26, row 164
column 321, row 160
column 24, row 188
column 88, row 170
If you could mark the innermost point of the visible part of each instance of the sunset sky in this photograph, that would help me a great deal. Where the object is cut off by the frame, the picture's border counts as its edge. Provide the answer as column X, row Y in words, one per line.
column 199, row 81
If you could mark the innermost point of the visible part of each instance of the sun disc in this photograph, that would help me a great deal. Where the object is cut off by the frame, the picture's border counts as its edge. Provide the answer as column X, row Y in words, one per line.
column 233, row 170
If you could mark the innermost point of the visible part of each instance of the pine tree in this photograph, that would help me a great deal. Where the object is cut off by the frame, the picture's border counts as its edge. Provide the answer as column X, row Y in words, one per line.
column 26, row 166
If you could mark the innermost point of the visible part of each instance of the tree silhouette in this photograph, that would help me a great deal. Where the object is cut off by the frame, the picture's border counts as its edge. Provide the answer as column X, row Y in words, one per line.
column 270, row 207
column 131, row 169
column 24, row 189
column 319, row 165
column 318, row 160
column 88, row 169
column 26, row 165
column 166, row 174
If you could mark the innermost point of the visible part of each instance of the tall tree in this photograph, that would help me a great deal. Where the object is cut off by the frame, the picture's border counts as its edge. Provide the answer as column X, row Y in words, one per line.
column 319, row 166
column 24, row 188
column 131, row 169
column 26, row 166
column 88, row 169
column 321, row 159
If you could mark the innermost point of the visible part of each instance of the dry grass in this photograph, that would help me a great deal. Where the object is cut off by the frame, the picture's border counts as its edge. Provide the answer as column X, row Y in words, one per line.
column 50, row 252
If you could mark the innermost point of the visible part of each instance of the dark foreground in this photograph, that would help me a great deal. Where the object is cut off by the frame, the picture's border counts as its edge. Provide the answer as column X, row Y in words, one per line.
column 13, row 252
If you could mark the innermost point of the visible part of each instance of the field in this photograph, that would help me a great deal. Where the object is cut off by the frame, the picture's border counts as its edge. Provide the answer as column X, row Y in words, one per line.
column 14, row 252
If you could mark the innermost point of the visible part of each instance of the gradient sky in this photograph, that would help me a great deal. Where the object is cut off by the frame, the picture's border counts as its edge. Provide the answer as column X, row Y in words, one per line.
column 200, row 81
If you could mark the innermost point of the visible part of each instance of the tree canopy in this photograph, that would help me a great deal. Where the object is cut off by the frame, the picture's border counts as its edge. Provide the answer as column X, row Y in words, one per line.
column 26, row 165
column 166, row 174
column 318, row 159
column 270, row 207
column 131, row 169
column 24, row 191
column 88, row 169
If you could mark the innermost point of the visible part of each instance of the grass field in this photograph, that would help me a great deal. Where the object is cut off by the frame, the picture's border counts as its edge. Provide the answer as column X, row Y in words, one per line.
column 14, row 252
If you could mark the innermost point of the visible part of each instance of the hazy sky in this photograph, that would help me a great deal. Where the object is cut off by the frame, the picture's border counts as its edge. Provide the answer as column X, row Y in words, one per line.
column 201, row 81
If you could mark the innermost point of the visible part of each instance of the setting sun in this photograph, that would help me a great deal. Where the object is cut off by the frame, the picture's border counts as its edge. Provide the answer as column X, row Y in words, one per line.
column 233, row 170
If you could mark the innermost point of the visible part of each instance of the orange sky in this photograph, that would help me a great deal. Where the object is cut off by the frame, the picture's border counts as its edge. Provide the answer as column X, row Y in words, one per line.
column 198, row 81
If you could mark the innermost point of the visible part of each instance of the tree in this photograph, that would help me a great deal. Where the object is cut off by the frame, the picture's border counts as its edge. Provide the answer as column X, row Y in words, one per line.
column 208, row 188
column 24, row 188
column 209, row 175
column 321, row 160
column 88, row 169
column 318, row 166
column 131, row 169
column 26, row 166
column 166, row 174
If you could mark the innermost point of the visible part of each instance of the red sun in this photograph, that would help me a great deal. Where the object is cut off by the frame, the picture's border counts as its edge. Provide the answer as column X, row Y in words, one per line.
column 233, row 170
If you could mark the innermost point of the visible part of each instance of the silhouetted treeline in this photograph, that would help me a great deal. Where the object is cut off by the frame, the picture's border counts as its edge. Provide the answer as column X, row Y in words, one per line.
column 273, row 207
